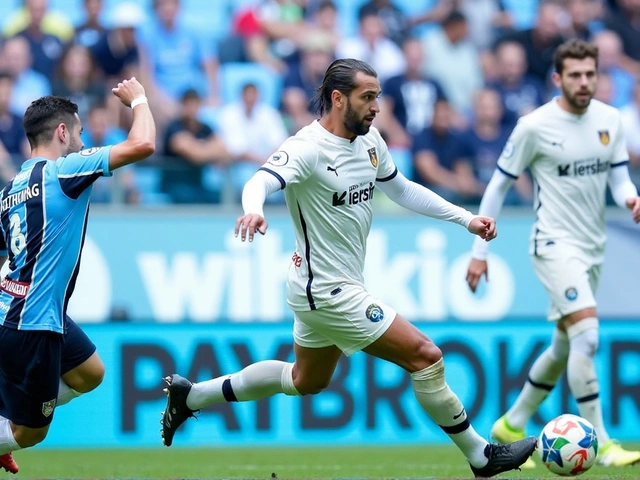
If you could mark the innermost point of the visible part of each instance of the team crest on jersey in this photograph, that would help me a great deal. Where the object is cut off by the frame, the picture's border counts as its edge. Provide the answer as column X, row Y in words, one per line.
column 373, row 156
column 279, row 159
column 604, row 137
column 87, row 152
column 48, row 407
column 571, row 293
column 374, row 313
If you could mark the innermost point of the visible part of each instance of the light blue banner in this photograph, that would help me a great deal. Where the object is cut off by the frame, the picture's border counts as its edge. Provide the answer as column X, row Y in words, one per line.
column 173, row 266
column 369, row 401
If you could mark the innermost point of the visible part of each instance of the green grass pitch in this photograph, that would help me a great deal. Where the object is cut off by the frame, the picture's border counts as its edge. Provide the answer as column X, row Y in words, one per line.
column 260, row 463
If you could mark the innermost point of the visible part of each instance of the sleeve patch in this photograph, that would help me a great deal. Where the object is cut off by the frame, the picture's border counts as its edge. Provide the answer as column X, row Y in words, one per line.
column 87, row 152
column 279, row 159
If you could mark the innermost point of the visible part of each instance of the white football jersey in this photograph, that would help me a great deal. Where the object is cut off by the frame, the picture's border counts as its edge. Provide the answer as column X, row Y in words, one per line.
column 330, row 183
column 570, row 157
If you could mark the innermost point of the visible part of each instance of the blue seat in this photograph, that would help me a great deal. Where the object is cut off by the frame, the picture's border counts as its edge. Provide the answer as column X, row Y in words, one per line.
column 524, row 12
column 234, row 76
column 403, row 160
column 147, row 182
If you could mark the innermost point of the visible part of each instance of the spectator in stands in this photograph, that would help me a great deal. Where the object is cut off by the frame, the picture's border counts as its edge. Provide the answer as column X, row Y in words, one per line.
column 51, row 23
column 625, row 21
column 610, row 62
column 89, row 32
column 46, row 48
column 452, row 60
column 302, row 79
column 190, row 146
column 14, row 147
column 251, row 131
column 408, row 99
column 541, row 41
column 117, row 47
column 29, row 84
column 395, row 22
column 631, row 122
column 438, row 160
column 606, row 89
column 77, row 80
column 100, row 130
column 372, row 46
column 585, row 21
column 520, row 92
column 176, row 59
column 483, row 142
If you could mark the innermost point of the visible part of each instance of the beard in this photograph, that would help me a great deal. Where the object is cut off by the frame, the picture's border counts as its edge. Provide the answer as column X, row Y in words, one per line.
column 74, row 147
column 575, row 101
column 353, row 122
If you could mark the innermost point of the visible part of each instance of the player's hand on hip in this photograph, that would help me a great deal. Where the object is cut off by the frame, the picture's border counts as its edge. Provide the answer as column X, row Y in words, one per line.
column 128, row 90
column 249, row 224
column 633, row 204
column 484, row 227
column 477, row 268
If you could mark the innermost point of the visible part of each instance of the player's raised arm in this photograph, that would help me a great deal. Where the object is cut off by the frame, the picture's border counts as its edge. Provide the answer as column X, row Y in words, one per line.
column 141, row 141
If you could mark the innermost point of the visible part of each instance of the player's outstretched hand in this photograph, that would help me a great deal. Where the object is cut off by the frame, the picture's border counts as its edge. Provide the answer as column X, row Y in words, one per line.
column 633, row 204
column 477, row 268
column 484, row 227
column 250, row 224
column 128, row 90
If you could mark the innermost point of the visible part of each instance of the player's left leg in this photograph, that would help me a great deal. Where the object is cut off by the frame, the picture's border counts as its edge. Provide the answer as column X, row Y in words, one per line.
column 407, row 347
column 82, row 369
column 582, row 330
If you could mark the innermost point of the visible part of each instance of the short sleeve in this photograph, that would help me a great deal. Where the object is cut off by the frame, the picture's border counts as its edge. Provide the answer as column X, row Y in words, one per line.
column 620, row 152
column 294, row 162
column 386, row 167
column 518, row 152
column 78, row 171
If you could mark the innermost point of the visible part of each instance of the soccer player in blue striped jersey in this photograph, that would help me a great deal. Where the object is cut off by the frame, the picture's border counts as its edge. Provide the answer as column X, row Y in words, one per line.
column 45, row 358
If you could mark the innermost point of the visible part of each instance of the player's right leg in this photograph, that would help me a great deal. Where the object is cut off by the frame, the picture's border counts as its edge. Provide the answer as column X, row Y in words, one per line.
column 311, row 373
column 407, row 347
column 81, row 368
column 29, row 376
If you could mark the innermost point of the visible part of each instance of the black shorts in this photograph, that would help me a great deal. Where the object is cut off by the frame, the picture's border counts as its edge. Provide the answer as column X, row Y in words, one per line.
column 31, row 363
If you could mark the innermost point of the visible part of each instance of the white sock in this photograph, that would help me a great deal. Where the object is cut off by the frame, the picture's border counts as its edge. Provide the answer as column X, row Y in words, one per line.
column 444, row 407
column 543, row 376
column 65, row 394
column 259, row 380
column 581, row 373
column 7, row 441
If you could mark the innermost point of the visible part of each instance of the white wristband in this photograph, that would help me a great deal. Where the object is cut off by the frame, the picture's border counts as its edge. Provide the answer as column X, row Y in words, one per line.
column 139, row 101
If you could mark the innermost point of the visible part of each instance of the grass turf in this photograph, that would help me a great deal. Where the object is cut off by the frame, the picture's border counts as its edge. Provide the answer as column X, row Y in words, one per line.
column 286, row 463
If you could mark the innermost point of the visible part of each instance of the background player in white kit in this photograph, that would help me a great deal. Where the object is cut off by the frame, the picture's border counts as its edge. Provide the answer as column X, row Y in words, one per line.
column 331, row 169
column 573, row 147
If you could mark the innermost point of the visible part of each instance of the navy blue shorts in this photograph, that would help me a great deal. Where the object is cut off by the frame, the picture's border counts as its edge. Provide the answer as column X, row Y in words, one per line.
column 31, row 363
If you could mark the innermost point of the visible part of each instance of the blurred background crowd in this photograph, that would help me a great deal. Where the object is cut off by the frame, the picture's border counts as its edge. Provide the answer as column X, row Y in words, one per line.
column 229, row 80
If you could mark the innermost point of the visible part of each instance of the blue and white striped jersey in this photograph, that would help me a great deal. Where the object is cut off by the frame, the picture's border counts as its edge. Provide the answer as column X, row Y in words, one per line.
column 43, row 218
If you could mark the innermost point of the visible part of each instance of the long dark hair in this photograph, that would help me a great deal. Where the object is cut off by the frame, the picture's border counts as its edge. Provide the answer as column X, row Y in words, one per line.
column 341, row 76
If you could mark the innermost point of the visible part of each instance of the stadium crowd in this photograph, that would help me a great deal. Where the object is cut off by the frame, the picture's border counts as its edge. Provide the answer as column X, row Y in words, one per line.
column 229, row 80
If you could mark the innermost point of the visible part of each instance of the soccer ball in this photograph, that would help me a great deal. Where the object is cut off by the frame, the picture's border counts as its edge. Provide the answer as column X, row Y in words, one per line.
column 568, row 445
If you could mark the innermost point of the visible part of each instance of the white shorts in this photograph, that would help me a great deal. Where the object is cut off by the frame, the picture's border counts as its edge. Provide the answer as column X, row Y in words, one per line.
column 570, row 277
column 351, row 321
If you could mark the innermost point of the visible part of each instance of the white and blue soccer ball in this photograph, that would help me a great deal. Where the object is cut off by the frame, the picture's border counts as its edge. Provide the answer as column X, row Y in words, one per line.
column 568, row 445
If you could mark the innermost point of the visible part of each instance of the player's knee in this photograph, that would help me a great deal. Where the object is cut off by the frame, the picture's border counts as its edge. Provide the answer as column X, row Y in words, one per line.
column 426, row 353
column 28, row 437
column 90, row 379
column 584, row 337
column 311, row 386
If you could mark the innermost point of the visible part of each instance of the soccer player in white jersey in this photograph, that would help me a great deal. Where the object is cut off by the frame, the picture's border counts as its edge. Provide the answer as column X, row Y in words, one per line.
column 330, row 171
column 574, row 146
